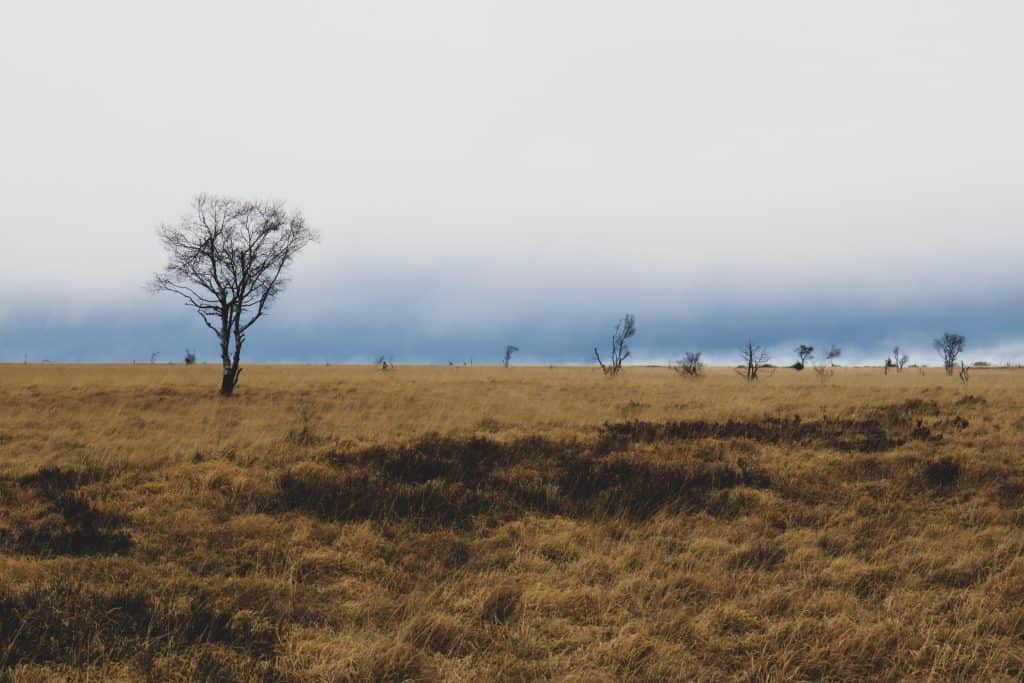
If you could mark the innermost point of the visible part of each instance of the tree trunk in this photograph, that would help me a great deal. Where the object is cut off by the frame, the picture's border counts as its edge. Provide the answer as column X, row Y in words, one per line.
column 227, row 382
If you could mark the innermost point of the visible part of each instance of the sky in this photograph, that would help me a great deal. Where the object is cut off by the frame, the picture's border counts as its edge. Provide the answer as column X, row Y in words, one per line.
column 491, row 173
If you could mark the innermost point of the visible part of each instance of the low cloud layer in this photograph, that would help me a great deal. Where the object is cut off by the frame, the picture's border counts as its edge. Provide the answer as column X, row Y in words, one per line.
column 491, row 173
column 415, row 320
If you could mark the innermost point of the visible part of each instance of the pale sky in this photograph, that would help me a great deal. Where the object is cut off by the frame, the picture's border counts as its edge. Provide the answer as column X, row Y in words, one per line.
column 486, row 173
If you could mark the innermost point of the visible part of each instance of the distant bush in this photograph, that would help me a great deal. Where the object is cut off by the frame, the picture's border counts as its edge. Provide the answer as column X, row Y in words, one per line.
column 190, row 357
column 690, row 365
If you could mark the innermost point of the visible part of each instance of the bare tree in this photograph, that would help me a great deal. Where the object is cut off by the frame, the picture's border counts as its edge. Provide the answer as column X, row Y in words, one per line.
column 690, row 365
column 833, row 353
column 949, row 346
column 754, row 357
column 624, row 329
column 804, row 353
column 899, row 359
column 227, row 259
column 509, row 350
column 190, row 357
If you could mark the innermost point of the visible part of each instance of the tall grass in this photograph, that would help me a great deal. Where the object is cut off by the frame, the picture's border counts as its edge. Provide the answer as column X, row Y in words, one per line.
column 509, row 524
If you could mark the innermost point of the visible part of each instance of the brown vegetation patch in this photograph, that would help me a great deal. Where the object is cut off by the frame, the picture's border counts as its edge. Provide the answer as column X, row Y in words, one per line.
column 450, row 481
column 53, row 517
column 67, row 620
column 841, row 434
column 942, row 472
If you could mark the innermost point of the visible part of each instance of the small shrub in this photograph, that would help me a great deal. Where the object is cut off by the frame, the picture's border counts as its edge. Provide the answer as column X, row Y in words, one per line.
column 690, row 365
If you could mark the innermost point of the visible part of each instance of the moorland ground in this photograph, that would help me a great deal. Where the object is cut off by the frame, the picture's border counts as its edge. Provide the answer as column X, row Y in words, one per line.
column 466, row 524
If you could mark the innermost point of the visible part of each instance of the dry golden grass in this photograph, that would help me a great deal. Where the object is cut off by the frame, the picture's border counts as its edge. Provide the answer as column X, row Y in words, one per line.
column 465, row 524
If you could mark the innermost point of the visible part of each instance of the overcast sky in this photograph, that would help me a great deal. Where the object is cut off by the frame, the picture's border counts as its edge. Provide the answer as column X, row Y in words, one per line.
column 485, row 173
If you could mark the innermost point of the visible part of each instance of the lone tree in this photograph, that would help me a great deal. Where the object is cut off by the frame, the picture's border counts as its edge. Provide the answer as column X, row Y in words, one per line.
column 625, row 329
column 949, row 346
column 754, row 357
column 509, row 350
column 227, row 259
column 804, row 353
column 833, row 353
column 899, row 359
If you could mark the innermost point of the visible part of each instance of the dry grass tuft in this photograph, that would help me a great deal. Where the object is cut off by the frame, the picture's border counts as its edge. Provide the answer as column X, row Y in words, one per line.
column 502, row 603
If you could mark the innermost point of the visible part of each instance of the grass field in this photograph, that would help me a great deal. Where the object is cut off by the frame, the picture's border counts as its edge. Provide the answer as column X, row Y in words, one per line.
column 468, row 524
